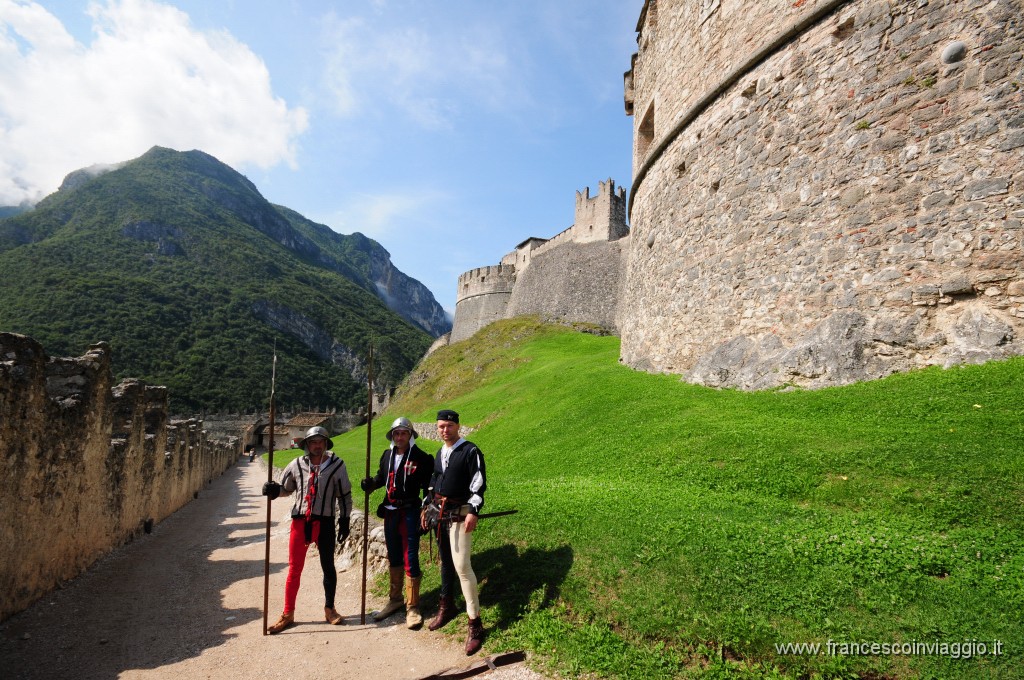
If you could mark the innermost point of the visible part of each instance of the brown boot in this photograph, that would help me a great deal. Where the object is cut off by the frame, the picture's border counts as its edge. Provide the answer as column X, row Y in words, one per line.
column 332, row 616
column 287, row 619
column 475, row 638
column 413, row 618
column 445, row 613
column 395, row 599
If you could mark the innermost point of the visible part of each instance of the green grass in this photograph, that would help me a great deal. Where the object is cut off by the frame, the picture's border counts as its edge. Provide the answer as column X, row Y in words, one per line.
column 669, row 530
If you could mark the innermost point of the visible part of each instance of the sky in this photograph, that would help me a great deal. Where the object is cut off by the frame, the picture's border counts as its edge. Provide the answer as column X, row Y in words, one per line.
column 447, row 130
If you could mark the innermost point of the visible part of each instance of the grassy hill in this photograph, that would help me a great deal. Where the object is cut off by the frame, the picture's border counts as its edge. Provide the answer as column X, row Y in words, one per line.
column 669, row 530
column 192, row 276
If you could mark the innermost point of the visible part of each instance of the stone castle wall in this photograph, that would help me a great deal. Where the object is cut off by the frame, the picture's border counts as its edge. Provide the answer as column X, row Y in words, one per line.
column 573, row 276
column 89, row 465
column 482, row 299
column 572, row 283
column 824, row 191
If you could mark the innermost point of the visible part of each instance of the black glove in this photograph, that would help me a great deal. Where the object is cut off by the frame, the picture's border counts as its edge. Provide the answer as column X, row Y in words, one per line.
column 367, row 484
column 271, row 490
column 343, row 528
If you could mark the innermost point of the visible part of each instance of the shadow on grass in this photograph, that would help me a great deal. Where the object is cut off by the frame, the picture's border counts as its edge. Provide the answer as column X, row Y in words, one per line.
column 515, row 582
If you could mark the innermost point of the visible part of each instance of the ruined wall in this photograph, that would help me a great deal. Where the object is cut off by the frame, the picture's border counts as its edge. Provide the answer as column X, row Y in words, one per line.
column 88, row 465
column 572, row 283
column 847, row 204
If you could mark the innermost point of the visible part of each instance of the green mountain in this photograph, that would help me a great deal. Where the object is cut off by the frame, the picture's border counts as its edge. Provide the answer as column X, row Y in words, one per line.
column 193, row 277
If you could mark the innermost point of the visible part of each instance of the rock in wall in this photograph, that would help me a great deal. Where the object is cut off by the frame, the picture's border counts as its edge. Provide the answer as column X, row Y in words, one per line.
column 88, row 465
column 845, row 204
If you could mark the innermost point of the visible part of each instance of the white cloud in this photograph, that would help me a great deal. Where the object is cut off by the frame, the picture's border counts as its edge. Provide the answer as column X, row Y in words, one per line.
column 392, row 62
column 380, row 215
column 147, row 78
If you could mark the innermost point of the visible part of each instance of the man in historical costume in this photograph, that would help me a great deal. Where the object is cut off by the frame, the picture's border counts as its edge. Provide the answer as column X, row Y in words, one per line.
column 457, row 488
column 321, row 480
column 404, row 472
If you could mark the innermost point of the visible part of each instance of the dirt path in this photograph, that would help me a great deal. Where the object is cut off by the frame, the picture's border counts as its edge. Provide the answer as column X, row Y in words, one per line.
column 186, row 602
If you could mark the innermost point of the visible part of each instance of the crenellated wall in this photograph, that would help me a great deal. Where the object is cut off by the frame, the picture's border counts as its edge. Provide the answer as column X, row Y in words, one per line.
column 482, row 299
column 573, row 276
column 824, row 191
column 87, row 464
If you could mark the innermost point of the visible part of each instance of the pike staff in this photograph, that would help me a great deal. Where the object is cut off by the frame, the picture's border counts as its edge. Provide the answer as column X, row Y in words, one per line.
column 270, row 478
column 366, row 501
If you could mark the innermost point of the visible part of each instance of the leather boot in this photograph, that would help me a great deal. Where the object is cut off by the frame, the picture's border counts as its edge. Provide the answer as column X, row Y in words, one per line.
column 332, row 616
column 475, row 638
column 445, row 613
column 395, row 599
column 287, row 619
column 413, row 617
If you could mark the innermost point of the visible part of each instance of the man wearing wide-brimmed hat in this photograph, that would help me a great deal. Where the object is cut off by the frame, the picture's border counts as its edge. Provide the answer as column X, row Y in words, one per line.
column 322, row 483
column 404, row 472
column 457, row 487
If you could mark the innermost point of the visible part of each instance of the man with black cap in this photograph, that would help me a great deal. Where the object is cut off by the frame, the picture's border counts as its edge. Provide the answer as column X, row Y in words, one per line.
column 322, row 483
column 457, row 487
column 404, row 471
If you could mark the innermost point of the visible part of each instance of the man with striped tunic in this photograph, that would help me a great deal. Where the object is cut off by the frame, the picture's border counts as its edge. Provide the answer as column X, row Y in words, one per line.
column 321, row 482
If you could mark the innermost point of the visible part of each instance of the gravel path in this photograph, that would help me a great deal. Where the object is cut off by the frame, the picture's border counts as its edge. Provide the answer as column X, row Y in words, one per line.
column 186, row 602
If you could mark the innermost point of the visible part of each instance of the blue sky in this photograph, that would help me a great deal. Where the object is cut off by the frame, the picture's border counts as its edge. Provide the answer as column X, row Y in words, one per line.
column 448, row 131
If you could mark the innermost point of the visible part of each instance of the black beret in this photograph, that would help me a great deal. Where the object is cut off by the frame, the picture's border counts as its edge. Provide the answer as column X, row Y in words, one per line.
column 446, row 414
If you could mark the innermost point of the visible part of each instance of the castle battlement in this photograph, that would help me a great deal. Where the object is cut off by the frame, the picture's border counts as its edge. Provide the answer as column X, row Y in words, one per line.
column 601, row 217
column 497, row 278
column 485, row 293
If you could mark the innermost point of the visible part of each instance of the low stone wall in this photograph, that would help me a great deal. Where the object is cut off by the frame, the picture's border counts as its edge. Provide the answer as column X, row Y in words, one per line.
column 87, row 464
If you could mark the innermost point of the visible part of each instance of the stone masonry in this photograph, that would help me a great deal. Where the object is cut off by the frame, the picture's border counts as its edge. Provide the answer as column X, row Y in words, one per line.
column 824, row 191
column 573, row 276
column 89, row 465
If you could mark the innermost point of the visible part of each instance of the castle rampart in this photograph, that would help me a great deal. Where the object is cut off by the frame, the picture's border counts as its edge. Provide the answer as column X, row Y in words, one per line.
column 482, row 299
column 90, row 464
column 845, row 204
column 573, row 282
column 577, row 284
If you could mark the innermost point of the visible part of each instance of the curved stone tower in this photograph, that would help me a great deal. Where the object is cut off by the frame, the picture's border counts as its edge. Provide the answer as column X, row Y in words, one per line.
column 482, row 298
column 824, row 190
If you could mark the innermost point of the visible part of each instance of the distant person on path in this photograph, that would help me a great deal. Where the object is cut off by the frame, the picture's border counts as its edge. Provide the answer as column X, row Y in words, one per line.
column 457, row 487
column 404, row 471
column 322, row 482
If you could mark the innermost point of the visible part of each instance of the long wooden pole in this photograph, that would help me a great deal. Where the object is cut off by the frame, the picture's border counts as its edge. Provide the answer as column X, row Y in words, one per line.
column 366, row 500
column 270, row 478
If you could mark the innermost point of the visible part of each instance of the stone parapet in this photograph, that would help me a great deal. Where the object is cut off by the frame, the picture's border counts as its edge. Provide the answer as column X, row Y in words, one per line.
column 90, row 464
column 486, row 280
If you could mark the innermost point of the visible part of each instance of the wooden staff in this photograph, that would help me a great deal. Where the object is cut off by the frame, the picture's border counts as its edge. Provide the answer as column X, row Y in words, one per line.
column 366, row 501
column 270, row 478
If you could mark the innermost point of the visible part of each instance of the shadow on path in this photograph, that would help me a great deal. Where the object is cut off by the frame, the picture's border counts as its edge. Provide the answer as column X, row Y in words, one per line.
column 151, row 602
